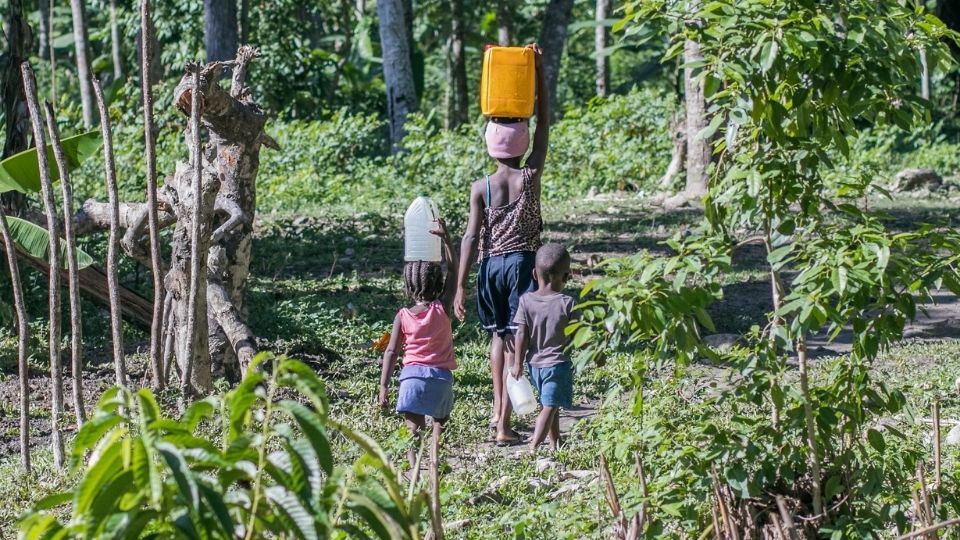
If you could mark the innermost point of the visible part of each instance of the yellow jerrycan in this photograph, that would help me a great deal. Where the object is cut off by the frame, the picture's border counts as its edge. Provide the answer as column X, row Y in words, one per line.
column 508, row 82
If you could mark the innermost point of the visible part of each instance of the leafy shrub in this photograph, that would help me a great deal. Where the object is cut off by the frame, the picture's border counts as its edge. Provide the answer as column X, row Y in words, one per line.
column 319, row 161
column 244, row 464
column 692, row 425
column 621, row 142
column 615, row 143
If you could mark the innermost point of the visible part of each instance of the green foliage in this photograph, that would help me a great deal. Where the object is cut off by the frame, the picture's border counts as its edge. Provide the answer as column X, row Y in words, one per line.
column 35, row 240
column 787, row 93
column 21, row 172
column 704, row 420
column 651, row 305
column 622, row 142
column 243, row 464
column 619, row 143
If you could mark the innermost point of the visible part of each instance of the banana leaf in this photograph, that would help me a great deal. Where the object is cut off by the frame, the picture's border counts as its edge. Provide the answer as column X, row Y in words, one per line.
column 20, row 172
column 35, row 241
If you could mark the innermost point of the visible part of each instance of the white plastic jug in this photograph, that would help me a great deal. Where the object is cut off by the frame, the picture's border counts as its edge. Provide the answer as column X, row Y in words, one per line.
column 521, row 395
column 420, row 219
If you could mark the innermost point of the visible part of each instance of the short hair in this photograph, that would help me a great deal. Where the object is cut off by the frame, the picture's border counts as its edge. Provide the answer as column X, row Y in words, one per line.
column 550, row 258
column 423, row 280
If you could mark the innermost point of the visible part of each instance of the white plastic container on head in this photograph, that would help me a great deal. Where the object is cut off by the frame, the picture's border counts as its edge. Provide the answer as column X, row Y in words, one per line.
column 418, row 243
column 521, row 395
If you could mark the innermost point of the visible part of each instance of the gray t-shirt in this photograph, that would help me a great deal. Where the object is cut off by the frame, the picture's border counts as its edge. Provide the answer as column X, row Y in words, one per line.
column 545, row 317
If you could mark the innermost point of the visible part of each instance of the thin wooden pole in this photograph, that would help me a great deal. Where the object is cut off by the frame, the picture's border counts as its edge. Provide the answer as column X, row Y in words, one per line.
column 936, row 443
column 73, row 279
column 925, row 498
column 435, row 482
column 23, row 335
column 933, row 528
column 168, row 339
column 195, row 99
column 113, row 245
column 642, row 475
column 813, row 453
column 787, row 518
column 156, row 325
column 53, row 342
column 53, row 54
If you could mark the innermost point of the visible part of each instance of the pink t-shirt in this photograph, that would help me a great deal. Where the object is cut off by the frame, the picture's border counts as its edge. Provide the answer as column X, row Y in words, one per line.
column 427, row 337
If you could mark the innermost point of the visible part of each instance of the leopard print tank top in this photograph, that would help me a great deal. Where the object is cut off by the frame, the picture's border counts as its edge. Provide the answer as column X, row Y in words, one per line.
column 515, row 226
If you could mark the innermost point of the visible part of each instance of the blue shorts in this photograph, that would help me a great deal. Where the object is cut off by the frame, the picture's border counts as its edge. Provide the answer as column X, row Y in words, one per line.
column 502, row 280
column 554, row 384
column 426, row 391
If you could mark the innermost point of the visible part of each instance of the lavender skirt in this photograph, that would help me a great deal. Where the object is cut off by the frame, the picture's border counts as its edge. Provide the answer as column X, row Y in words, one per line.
column 426, row 391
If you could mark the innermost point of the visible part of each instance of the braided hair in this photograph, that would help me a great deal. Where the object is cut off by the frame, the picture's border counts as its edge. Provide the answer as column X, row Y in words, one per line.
column 423, row 280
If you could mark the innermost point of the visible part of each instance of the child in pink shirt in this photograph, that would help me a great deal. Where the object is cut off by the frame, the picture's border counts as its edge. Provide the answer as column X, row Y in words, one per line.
column 424, row 330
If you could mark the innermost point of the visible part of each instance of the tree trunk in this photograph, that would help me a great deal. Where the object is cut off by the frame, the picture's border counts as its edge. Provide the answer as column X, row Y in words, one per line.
column 43, row 28
column 235, row 125
column 186, row 281
column 243, row 21
column 600, row 45
column 53, row 342
column 115, row 42
column 342, row 47
column 17, row 123
column 82, row 51
column 458, row 106
column 678, row 155
column 924, row 76
column 146, row 91
column 190, row 330
column 553, row 37
column 698, row 149
column 504, row 21
column 220, row 29
column 113, row 244
column 925, row 73
column 397, row 68
column 73, row 281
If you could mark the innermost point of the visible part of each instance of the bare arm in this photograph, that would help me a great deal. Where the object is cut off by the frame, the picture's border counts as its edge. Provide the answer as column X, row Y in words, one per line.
column 542, row 136
column 450, row 281
column 522, row 343
column 468, row 249
column 389, row 362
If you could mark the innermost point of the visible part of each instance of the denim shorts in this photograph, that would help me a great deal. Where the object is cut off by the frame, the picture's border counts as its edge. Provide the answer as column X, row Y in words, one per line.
column 554, row 384
column 502, row 280
column 426, row 391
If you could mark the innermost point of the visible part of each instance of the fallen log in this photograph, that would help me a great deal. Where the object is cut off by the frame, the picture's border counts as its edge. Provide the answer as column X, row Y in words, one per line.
column 93, row 283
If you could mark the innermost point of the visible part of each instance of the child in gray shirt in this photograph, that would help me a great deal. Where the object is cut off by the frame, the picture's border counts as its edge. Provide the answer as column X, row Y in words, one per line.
column 542, row 316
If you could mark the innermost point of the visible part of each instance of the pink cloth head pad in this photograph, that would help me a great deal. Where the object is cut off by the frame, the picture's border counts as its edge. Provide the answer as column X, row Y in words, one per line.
column 507, row 140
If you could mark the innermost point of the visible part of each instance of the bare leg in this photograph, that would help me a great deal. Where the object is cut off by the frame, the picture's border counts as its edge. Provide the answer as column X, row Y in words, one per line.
column 506, row 408
column 554, row 434
column 496, row 373
column 415, row 423
column 544, row 424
